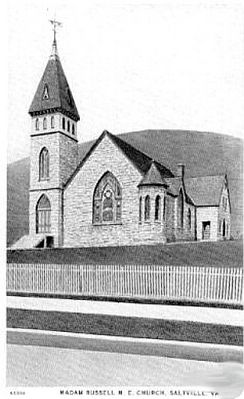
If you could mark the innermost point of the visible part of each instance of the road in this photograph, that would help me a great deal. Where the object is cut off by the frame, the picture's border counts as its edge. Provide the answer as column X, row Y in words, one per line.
column 46, row 366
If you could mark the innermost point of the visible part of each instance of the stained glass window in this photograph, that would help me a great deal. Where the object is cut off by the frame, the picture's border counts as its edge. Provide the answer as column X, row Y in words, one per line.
column 107, row 200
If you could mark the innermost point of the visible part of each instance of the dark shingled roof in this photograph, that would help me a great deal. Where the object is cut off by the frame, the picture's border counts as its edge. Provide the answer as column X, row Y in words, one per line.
column 206, row 190
column 60, row 96
column 137, row 157
column 220, row 254
column 153, row 177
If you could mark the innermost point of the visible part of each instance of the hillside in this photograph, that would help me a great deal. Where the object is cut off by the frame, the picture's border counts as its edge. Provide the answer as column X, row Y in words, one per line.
column 202, row 153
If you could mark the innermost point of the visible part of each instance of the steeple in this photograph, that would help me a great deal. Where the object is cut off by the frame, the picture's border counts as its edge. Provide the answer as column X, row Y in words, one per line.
column 53, row 93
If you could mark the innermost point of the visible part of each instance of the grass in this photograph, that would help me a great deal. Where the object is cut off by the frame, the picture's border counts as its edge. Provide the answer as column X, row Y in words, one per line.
column 204, row 254
column 125, row 326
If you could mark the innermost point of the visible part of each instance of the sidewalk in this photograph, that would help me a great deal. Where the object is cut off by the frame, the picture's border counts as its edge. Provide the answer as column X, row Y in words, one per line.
column 233, row 317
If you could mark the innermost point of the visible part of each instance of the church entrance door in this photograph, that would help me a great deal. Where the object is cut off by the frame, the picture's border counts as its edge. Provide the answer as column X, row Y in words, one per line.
column 206, row 230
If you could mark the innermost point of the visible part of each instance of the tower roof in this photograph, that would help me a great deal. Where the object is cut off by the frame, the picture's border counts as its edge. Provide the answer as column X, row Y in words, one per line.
column 53, row 92
column 153, row 177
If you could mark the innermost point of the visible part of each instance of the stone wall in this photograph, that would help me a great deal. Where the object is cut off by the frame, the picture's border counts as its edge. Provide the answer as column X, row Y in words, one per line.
column 78, row 200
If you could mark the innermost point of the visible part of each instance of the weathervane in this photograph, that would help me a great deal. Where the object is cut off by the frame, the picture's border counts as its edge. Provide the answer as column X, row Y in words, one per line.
column 55, row 24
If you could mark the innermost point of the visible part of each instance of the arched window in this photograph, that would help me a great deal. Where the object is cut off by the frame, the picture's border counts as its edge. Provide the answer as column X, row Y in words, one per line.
column 68, row 126
column 180, row 209
column 44, row 123
column 147, row 208
column 37, row 124
column 63, row 123
column 107, row 200
column 52, row 122
column 164, row 208
column 157, row 207
column 189, row 219
column 224, row 228
column 73, row 128
column 44, row 164
column 140, row 209
column 43, row 215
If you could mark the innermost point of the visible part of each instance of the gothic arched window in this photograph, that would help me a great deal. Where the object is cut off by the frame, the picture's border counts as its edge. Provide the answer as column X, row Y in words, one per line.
column 107, row 200
column 63, row 123
column 189, row 219
column 68, row 126
column 180, row 209
column 164, row 208
column 73, row 128
column 44, row 123
column 43, row 215
column 157, row 207
column 52, row 122
column 140, row 209
column 44, row 164
column 37, row 124
column 147, row 208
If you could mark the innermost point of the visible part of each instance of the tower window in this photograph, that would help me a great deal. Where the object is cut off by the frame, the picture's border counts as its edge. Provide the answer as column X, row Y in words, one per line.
column 73, row 128
column 68, row 126
column 52, row 122
column 45, row 95
column 43, row 215
column 44, row 123
column 157, row 207
column 147, row 208
column 107, row 200
column 44, row 164
column 37, row 124
column 63, row 123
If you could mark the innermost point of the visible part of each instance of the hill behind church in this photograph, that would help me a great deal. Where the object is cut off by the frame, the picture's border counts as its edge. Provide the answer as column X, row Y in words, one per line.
column 202, row 153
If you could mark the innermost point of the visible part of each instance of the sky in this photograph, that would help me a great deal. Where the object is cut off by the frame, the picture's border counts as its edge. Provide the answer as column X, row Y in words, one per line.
column 131, row 65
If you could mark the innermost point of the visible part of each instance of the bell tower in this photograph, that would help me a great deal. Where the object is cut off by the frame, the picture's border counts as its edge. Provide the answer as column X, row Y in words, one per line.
column 54, row 151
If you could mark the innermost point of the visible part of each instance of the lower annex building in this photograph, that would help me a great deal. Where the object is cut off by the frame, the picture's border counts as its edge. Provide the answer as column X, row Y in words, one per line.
column 117, row 194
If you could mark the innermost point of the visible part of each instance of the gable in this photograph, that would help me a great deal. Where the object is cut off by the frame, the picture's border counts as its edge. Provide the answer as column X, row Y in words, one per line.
column 140, row 161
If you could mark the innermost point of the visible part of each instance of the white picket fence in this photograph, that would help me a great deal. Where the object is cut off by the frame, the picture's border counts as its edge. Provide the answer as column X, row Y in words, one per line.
column 208, row 284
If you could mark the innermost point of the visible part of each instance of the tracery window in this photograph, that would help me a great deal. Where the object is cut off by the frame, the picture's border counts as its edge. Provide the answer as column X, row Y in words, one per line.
column 180, row 209
column 157, row 207
column 43, row 215
column 147, row 208
column 44, row 164
column 107, row 200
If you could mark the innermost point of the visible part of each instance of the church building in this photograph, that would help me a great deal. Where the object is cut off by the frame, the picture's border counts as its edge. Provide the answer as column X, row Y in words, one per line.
column 117, row 195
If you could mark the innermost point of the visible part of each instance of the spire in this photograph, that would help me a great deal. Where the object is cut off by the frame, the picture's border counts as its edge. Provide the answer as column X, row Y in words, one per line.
column 53, row 92
column 55, row 24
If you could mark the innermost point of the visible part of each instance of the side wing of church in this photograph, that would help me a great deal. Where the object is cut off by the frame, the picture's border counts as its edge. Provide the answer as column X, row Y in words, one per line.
column 117, row 195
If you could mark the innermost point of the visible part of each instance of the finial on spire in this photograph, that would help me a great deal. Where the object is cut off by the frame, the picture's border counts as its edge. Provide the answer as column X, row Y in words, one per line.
column 55, row 24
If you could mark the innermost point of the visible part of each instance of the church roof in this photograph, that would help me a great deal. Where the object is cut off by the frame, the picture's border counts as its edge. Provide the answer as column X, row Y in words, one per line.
column 53, row 92
column 141, row 161
column 153, row 177
column 206, row 190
